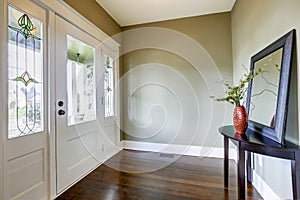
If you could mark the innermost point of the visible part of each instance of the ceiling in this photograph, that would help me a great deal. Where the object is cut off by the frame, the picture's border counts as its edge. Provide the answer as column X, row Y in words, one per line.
column 132, row 12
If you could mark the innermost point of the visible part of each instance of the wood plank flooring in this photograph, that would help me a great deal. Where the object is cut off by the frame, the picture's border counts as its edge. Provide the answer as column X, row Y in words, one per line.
column 148, row 175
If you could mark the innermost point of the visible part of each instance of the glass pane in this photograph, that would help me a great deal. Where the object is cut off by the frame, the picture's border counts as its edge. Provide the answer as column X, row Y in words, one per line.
column 80, row 82
column 25, row 74
column 265, row 89
column 108, row 87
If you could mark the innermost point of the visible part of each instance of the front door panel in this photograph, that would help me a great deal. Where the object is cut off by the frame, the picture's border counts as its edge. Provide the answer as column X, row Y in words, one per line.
column 26, row 149
column 77, row 126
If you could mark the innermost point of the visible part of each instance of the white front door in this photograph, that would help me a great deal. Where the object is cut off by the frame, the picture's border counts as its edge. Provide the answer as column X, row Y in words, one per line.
column 78, row 133
column 25, row 72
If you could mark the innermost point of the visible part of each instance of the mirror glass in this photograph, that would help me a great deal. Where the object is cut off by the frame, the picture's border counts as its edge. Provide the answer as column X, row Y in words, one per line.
column 265, row 89
column 267, row 96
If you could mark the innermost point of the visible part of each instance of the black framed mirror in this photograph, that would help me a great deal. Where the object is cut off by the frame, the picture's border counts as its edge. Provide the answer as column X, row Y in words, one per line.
column 268, row 93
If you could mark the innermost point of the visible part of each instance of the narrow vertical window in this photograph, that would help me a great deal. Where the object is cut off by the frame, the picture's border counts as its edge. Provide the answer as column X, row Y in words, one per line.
column 108, row 87
column 80, row 82
column 25, row 74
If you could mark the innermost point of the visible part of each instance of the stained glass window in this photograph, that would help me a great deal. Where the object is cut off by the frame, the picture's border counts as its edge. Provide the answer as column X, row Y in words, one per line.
column 25, row 74
column 108, row 87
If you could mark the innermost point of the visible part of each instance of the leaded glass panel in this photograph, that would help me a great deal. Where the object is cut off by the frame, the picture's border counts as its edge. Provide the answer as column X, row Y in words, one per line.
column 108, row 86
column 25, row 74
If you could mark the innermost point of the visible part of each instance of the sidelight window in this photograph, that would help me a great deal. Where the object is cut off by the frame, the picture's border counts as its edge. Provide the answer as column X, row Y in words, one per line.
column 25, row 74
column 108, row 86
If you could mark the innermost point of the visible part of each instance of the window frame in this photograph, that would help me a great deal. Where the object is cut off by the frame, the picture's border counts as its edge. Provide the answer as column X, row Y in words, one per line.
column 33, row 14
column 114, row 54
column 41, row 16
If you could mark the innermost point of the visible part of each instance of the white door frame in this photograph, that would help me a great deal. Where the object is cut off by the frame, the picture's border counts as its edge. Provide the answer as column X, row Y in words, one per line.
column 3, row 88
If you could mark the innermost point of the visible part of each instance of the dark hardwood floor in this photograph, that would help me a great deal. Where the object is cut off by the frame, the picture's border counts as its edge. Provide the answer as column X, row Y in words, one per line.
column 176, row 177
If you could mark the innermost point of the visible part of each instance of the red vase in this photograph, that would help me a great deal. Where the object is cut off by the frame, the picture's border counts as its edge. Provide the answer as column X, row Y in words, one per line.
column 240, row 119
column 240, row 136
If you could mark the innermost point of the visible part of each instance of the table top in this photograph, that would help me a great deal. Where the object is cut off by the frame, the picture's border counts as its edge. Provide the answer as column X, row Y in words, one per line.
column 253, row 137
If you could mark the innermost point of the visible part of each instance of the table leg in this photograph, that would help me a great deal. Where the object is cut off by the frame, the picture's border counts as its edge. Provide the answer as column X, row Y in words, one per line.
column 295, row 165
column 241, row 172
column 249, row 168
column 226, row 149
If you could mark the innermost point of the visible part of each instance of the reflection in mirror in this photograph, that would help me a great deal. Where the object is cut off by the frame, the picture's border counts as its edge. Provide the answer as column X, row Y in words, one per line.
column 267, row 97
column 265, row 89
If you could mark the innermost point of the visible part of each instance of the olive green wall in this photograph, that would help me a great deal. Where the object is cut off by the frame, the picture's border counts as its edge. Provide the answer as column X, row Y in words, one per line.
column 256, row 24
column 213, row 34
column 96, row 14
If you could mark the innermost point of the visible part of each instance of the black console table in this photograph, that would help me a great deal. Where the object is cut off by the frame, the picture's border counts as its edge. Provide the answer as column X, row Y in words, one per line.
column 256, row 143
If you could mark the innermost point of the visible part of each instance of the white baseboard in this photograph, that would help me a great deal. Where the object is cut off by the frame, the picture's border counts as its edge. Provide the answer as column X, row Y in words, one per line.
column 263, row 188
column 214, row 152
column 289, row 139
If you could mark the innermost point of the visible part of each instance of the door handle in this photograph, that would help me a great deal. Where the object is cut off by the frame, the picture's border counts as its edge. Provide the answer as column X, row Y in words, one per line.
column 61, row 112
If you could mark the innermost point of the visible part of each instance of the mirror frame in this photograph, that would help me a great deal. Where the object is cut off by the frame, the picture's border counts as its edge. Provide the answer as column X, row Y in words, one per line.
column 277, row 133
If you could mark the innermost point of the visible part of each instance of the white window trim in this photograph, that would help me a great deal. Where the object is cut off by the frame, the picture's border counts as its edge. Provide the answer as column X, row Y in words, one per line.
column 2, row 99
column 65, row 11
column 115, row 57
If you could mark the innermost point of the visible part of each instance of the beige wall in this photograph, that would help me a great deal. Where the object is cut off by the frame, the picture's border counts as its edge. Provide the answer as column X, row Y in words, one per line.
column 211, row 31
column 179, row 74
column 96, row 14
column 255, row 24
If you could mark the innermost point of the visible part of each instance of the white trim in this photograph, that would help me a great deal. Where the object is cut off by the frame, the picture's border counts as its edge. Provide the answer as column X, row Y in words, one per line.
column 68, row 13
column 263, row 188
column 292, row 140
column 114, row 119
column 2, row 97
column 189, row 150
column 117, row 98
column 4, row 88
column 52, row 104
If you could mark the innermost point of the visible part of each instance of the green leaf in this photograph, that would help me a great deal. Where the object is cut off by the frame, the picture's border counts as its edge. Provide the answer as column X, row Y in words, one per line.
column 25, row 78
column 21, row 80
